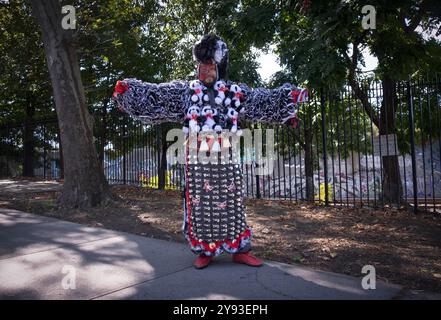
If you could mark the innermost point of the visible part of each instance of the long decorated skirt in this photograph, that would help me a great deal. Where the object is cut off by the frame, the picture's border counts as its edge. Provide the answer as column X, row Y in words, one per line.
column 214, row 211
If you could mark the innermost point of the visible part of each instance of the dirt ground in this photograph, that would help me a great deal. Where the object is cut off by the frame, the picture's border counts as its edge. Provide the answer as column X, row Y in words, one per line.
column 404, row 248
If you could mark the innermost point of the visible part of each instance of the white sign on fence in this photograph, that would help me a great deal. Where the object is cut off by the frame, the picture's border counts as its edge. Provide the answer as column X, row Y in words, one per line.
column 386, row 145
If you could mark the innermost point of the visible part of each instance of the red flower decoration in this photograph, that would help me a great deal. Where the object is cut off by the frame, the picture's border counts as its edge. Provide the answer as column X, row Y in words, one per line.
column 295, row 95
column 224, row 89
column 121, row 87
column 239, row 95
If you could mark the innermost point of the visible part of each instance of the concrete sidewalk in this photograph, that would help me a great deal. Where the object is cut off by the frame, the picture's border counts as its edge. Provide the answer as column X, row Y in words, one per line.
column 14, row 188
column 35, row 250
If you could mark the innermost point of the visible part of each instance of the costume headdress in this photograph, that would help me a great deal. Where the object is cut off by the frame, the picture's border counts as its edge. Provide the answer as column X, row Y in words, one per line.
column 212, row 49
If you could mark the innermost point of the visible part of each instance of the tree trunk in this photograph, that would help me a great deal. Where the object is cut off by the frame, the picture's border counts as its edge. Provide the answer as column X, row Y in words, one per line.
column 28, row 139
column 309, row 165
column 392, row 192
column 162, row 166
column 103, row 134
column 61, row 155
column 84, row 181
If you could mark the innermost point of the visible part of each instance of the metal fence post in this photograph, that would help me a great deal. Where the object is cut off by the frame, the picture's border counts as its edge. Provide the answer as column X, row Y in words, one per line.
column 412, row 146
column 124, row 141
column 325, row 155
column 44, row 151
column 159, row 150
column 258, row 194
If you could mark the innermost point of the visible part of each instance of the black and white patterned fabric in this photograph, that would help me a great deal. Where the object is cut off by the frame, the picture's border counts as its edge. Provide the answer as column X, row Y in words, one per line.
column 155, row 103
column 272, row 105
column 216, row 201
column 214, row 212
column 168, row 102
column 214, row 218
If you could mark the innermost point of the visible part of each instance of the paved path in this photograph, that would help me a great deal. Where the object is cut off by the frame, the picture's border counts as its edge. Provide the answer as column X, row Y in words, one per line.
column 35, row 250
column 9, row 187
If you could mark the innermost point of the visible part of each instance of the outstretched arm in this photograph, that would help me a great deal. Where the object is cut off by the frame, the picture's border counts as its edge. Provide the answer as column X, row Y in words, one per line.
column 151, row 102
column 278, row 105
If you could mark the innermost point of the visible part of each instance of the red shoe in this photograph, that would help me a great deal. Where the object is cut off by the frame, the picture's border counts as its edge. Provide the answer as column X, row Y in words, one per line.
column 202, row 261
column 248, row 259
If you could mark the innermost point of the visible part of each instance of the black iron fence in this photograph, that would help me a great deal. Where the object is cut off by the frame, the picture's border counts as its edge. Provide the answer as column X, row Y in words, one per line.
column 373, row 146
column 31, row 149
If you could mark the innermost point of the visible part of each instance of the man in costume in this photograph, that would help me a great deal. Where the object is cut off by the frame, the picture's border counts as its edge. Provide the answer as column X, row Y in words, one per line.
column 214, row 212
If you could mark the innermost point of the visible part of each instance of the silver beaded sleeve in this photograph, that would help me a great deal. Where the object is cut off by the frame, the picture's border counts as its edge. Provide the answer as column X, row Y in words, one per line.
column 272, row 105
column 154, row 103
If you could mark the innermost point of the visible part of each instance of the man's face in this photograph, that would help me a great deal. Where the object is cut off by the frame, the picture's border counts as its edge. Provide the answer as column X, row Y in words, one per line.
column 208, row 73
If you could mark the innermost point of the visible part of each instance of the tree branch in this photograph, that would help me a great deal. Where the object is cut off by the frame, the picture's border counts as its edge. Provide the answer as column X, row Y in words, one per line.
column 416, row 19
column 359, row 93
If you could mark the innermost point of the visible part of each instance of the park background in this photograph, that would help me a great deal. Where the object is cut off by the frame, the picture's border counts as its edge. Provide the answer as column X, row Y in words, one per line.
column 367, row 144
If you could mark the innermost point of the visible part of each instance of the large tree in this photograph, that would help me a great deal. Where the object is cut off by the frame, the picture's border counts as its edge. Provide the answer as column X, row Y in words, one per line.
column 114, row 41
column 85, row 184
column 24, row 73
column 322, row 41
column 118, row 39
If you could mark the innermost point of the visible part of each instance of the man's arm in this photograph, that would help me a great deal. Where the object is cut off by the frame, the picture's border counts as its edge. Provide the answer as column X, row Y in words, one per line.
column 151, row 102
column 278, row 105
